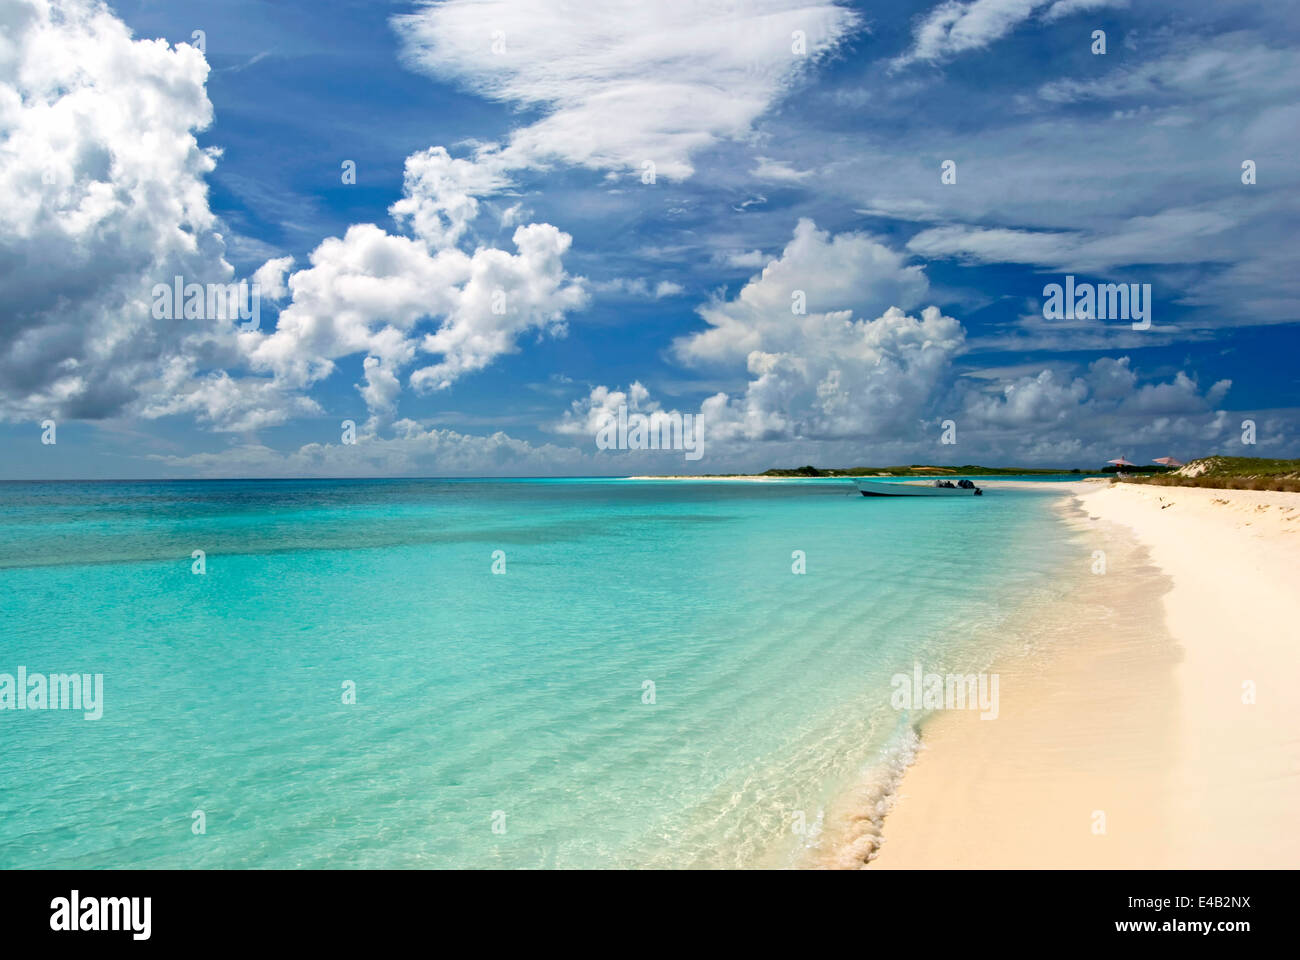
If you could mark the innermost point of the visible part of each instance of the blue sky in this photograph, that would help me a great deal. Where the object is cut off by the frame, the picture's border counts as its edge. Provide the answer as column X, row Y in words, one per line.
column 503, row 147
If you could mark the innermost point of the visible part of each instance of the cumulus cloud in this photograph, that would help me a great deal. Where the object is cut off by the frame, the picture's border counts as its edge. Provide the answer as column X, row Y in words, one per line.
column 843, row 378
column 1103, row 404
column 857, row 369
column 415, row 449
column 270, row 278
column 888, row 404
column 640, row 287
column 828, row 278
column 220, row 401
column 873, row 395
column 396, row 299
column 825, row 342
column 504, row 295
column 412, row 450
column 441, row 195
column 586, row 415
column 105, row 196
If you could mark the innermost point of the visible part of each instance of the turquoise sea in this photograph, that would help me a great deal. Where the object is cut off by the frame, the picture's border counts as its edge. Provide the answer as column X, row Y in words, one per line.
column 647, row 682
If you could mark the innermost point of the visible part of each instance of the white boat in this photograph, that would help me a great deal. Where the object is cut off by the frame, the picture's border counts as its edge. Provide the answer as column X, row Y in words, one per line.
column 907, row 488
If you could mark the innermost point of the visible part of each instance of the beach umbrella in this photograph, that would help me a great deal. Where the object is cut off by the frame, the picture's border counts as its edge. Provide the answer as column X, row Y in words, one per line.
column 1121, row 462
column 1168, row 461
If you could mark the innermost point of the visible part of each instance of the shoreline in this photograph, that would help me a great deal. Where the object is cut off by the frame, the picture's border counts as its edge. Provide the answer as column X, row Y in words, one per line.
column 1123, row 739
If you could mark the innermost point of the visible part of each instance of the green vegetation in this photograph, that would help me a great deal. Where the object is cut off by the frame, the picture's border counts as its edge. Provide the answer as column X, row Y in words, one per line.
column 1232, row 473
column 914, row 470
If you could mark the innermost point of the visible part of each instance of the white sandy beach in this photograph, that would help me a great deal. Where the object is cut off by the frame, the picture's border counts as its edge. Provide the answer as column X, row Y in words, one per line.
column 1126, row 736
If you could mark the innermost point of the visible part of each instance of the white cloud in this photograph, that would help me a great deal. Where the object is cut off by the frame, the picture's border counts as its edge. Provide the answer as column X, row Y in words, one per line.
column 1104, row 403
column 1049, row 417
column 1056, row 413
column 504, row 296
column 271, row 276
column 639, row 287
column 440, row 195
column 832, row 371
column 1175, row 235
column 415, row 449
column 1232, row 69
column 221, row 401
column 836, row 276
column 622, row 83
column 381, row 390
column 843, row 378
column 363, row 293
column 821, row 383
column 395, row 298
column 955, row 27
column 586, row 415
column 104, row 196
column 412, row 450
column 778, row 170
column 1064, row 8
column 1033, row 402
column 747, row 259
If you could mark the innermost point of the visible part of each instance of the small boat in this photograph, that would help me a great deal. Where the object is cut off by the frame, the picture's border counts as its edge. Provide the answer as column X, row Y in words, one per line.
column 962, row 488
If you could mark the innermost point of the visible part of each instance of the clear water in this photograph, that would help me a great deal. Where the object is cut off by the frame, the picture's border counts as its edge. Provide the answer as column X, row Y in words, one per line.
column 515, row 701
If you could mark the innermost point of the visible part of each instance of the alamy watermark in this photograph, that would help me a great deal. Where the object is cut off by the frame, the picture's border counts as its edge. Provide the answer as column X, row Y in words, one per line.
column 57, row 691
column 651, row 431
column 209, row 301
column 1104, row 301
column 75, row 913
column 953, row 691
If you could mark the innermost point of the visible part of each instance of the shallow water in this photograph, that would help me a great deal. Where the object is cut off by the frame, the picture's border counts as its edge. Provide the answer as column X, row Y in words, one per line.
column 500, row 719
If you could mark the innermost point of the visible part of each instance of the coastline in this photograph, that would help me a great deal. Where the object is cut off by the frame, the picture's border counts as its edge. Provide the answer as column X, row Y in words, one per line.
column 993, row 478
column 1123, row 739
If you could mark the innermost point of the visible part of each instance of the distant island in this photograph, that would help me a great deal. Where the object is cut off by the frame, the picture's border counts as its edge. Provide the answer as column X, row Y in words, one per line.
column 1230, row 473
column 915, row 470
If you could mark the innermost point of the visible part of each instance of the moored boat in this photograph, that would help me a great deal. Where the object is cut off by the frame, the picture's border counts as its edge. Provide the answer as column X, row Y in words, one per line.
column 876, row 488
